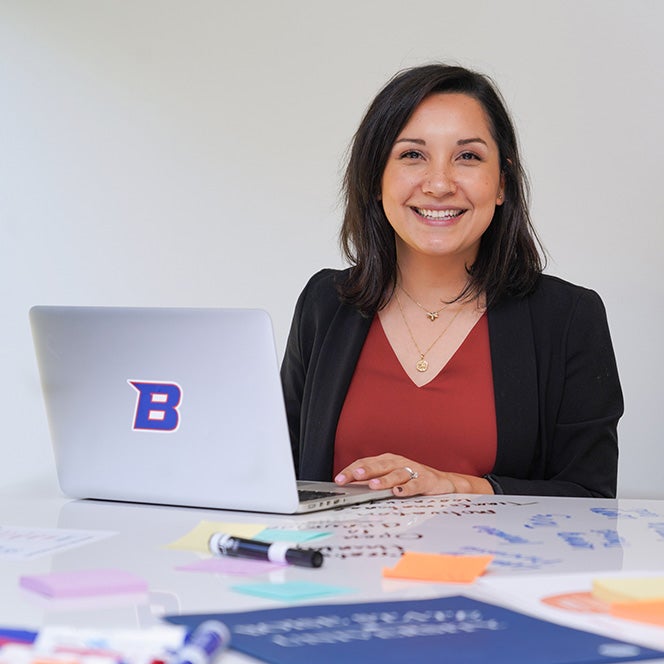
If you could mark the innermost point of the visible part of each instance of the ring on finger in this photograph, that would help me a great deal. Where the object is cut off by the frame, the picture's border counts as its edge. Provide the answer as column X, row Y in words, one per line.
column 413, row 473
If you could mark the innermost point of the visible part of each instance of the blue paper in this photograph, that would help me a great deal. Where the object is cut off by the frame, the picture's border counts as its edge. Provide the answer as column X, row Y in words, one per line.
column 10, row 635
column 449, row 630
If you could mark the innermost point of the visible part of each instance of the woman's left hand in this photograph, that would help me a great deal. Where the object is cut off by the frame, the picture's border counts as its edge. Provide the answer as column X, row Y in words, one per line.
column 409, row 478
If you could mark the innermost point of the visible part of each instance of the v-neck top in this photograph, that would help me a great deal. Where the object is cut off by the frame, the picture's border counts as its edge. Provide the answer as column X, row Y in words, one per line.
column 448, row 423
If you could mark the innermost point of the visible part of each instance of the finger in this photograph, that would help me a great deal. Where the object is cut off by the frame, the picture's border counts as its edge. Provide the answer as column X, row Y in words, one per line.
column 367, row 468
column 400, row 476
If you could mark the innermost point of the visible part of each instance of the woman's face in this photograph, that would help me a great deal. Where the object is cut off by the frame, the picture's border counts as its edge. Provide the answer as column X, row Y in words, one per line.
column 442, row 180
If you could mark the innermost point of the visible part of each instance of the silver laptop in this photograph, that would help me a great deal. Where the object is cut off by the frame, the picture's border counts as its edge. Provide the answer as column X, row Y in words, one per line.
column 173, row 407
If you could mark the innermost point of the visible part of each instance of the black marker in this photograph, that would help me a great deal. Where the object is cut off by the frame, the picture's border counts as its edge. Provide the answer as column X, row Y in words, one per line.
column 222, row 544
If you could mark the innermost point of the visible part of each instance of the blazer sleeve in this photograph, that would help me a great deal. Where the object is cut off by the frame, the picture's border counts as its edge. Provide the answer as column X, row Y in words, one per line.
column 325, row 340
column 579, row 403
column 293, row 375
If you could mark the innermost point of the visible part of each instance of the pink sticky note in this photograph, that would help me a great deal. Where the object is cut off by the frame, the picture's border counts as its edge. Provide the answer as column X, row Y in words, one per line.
column 235, row 566
column 84, row 583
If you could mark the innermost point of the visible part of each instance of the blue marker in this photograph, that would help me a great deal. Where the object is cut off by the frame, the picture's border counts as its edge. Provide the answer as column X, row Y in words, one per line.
column 203, row 644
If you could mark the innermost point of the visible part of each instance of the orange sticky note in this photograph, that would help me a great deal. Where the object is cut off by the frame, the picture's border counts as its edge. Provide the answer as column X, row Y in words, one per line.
column 438, row 567
column 645, row 612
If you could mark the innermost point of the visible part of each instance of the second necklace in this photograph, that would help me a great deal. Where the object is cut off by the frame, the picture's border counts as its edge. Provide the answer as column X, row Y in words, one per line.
column 423, row 364
column 431, row 315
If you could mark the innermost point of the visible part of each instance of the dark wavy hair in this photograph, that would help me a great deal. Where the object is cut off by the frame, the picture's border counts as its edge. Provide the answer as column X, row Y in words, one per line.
column 508, row 260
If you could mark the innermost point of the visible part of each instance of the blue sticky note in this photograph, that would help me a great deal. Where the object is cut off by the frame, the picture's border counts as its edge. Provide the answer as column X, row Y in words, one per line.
column 291, row 590
column 295, row 536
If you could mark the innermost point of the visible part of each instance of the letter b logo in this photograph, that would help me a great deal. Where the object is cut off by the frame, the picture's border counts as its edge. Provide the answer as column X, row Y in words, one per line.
column 156, row 406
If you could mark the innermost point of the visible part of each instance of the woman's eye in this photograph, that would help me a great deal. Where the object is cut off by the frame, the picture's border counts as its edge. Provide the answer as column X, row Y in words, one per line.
column 468, row 156
column 410, row 154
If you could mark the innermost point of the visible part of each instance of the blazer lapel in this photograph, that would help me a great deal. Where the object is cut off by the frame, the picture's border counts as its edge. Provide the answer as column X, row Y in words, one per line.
column 515, row 385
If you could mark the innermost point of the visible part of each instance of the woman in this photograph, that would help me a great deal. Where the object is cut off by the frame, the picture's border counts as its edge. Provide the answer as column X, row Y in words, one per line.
column 443, row 360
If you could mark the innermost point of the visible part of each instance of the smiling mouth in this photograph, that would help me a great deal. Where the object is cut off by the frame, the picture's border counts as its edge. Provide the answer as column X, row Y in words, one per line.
column 438, row 215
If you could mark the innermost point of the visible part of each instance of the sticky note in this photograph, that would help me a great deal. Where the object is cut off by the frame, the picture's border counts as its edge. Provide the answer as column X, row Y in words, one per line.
column 290, row 591
column 629, row 589
column 645, row 612
column 438, row 567
column 197, row 539
column 234, row 566
column 84, row 583
column 295, row 536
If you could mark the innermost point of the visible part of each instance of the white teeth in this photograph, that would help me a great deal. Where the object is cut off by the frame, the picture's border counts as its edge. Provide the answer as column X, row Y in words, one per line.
column 439, row 214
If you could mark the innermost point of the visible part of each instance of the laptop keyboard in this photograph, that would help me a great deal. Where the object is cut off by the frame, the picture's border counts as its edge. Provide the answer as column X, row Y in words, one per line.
column 306, row 494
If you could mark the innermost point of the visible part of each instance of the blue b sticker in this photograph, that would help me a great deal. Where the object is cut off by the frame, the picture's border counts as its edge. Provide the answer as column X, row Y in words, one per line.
column 157, row 405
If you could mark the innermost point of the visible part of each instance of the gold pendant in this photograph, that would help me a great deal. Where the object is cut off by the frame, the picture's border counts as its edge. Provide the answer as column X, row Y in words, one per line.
column 422, row 365
column 432, row 315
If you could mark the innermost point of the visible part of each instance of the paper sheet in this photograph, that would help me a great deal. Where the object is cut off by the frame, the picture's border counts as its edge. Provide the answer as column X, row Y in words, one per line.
column 456, row 629
column 18, row 543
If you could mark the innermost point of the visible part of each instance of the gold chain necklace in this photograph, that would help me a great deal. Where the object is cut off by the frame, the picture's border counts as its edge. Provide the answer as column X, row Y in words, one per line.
column 431, row 315
column 422, row 364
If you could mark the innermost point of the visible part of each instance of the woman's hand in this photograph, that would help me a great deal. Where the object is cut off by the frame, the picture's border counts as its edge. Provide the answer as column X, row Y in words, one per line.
column 409, row 478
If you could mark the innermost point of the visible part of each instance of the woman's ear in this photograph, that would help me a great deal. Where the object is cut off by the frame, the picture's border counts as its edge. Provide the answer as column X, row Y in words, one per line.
column 501, row 192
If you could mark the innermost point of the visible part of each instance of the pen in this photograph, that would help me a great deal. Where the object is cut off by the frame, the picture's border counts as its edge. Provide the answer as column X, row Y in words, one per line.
column 222, row 544
column 203, row 644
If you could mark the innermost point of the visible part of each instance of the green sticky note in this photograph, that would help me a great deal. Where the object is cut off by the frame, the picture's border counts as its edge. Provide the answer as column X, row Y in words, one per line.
column 291, row 590
column 295, row 536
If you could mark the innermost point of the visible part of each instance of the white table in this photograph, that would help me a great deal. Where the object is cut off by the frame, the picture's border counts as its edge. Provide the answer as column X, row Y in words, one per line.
column 541, row 546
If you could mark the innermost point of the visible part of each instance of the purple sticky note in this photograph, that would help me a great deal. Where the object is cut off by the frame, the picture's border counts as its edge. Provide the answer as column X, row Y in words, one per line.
column 84, row 583
column 235, row 566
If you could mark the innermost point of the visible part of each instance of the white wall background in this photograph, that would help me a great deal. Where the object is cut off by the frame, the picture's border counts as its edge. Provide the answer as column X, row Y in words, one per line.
column 188, row 153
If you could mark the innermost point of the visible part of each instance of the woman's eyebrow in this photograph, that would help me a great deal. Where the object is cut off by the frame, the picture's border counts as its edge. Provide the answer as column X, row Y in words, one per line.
column 421, row 141
column 466, row 141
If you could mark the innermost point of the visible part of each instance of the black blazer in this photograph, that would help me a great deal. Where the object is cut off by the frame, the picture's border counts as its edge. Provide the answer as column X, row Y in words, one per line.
column 558, row 397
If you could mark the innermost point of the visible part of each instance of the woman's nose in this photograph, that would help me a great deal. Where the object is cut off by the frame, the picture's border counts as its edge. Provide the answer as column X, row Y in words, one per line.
column 439, row 182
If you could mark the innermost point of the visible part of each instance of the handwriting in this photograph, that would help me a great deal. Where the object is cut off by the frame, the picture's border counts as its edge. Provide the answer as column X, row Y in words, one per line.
column 511, row 539
column 510, row 559
column 545, row 520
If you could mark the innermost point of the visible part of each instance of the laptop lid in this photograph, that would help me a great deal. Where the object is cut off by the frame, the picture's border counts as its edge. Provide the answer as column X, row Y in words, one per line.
column 170, row 406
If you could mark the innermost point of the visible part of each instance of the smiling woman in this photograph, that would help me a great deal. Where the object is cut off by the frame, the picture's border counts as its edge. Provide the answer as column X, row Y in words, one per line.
column 442, row 182
column 443, row 360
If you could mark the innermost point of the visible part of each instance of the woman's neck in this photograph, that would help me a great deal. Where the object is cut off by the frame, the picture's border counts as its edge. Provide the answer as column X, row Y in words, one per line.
column 432, row 277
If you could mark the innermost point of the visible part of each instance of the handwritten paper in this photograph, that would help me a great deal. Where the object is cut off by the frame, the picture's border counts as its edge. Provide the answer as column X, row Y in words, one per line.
column 18, row 543
column 84, row 583
column 438, row 567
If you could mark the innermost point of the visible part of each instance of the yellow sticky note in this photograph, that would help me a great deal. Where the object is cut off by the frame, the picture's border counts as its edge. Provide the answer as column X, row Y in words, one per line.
column 629, row 589
column 645, row 612
column 197, row 539
column 438, row 567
